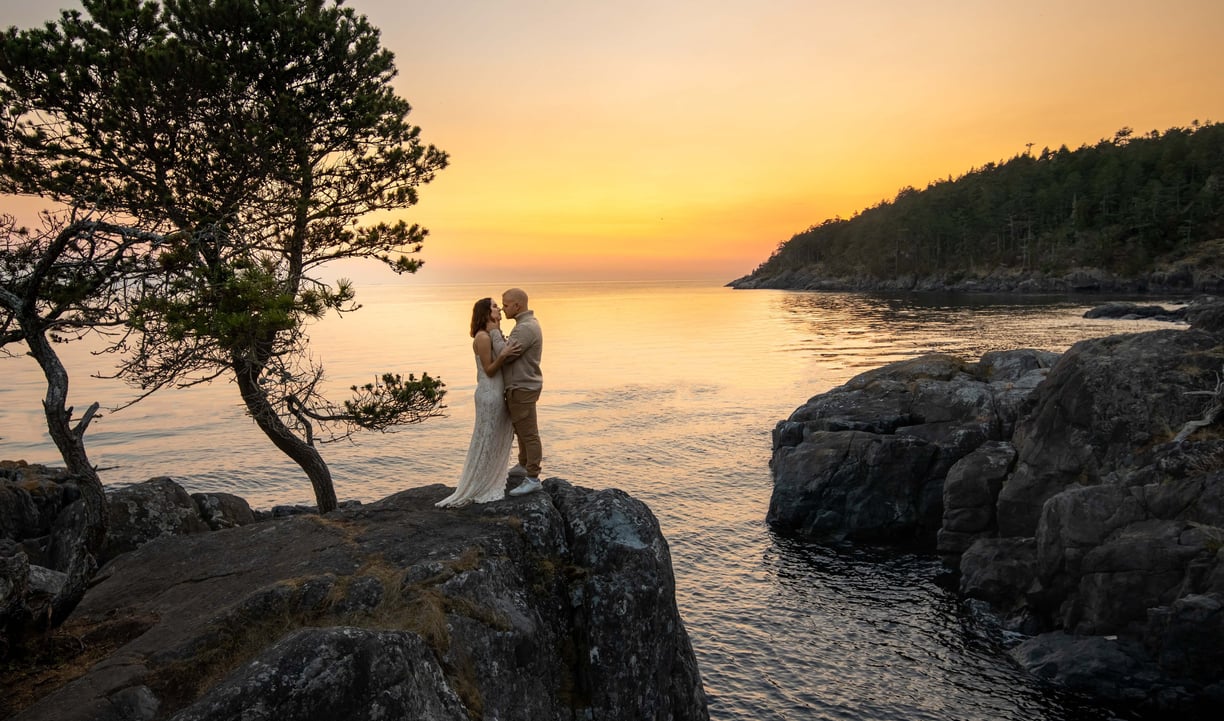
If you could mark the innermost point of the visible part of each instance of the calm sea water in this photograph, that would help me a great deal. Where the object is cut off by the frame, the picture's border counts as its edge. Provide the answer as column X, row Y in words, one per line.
column 669, row 392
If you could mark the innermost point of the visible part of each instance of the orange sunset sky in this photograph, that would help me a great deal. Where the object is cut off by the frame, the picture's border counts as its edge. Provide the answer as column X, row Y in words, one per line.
column 684, row 139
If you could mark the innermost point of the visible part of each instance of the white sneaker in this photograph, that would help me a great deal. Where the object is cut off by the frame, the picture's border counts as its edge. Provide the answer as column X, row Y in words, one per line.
column 529, row 485
column 517, row 472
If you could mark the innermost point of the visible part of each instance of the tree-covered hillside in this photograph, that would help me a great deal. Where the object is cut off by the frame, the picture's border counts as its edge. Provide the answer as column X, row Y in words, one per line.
column 1126, row 205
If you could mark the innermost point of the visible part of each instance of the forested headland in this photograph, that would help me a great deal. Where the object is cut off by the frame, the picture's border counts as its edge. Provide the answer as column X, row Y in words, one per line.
column 1130, row 213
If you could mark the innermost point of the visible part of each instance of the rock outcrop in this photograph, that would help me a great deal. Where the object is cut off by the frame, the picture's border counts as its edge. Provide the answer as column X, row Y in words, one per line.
column 42, row 515
column 1082, row 522
column 1119, row 310
column 557, row 605
column 868, row 460
column 32, row 497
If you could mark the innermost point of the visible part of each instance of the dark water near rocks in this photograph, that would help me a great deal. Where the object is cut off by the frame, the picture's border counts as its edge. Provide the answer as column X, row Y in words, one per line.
column 669, row 392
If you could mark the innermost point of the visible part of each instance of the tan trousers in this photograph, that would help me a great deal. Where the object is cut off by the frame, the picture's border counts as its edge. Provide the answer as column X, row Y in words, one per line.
column 521, row 402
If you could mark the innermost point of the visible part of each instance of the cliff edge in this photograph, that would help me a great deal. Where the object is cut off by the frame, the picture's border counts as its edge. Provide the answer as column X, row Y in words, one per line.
column 557, row 605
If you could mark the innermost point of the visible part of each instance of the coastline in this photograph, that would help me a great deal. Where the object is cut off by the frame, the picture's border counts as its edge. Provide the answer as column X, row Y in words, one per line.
column 1181, row 281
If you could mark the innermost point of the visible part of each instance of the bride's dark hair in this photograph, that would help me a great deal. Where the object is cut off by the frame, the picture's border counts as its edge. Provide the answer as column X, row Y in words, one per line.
column 481, row 312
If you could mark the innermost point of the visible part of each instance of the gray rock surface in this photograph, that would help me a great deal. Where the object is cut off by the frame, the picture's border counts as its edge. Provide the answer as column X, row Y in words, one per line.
column 1104, row 400
column 1128, row 527
column 144, row 511
column 1206, row 314
column 223, row 510
column 334, row 673
column 970, row 492
column 627, row 584
column 1000, row 571
column 1076, row 516
column 31, row 498
column 40, row 510
column 557, row 605
column 867, row 460
column 1113, row 668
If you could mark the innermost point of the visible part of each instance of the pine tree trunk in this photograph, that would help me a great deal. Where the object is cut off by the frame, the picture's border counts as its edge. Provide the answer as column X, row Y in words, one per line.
column 71, row 444
column 302, row 453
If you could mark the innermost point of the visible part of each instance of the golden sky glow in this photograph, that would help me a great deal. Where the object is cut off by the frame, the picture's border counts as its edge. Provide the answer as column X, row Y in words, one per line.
column 687, row 138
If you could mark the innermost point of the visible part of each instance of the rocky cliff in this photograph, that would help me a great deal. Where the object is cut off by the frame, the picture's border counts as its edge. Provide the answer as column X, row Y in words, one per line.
column 1058, row 487
column 558, row 605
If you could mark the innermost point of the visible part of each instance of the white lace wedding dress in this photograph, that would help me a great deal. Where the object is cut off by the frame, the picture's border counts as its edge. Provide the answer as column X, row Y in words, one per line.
column 484, row 471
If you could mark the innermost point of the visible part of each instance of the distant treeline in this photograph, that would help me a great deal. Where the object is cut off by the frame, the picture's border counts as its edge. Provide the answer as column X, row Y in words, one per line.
column 1123, row 205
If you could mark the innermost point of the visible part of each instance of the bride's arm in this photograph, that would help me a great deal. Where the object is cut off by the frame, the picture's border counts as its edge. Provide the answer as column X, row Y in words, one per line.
column 483, row 344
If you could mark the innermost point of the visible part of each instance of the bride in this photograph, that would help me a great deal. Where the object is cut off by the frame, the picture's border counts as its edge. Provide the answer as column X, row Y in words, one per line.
column 484, row 471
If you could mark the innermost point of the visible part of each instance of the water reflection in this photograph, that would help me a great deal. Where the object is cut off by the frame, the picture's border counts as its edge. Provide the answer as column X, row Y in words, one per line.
column 867, row 330
column 882, row 633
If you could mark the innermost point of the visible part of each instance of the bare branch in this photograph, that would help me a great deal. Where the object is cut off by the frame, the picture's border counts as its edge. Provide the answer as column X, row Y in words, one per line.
column 1211, row 414
column 90, row 412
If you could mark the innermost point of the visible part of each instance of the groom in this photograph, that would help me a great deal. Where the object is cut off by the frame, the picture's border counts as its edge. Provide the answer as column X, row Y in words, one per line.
column 523, row 384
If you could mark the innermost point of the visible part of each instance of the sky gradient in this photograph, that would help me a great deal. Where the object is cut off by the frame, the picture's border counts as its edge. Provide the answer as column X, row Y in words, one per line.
column 686, row 139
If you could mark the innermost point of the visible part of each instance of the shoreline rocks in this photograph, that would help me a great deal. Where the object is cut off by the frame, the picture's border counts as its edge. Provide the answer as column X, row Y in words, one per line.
column 1067, row 507
column 867, row 461
column 558, row 605
column 1183, row 280
column 1120, row 310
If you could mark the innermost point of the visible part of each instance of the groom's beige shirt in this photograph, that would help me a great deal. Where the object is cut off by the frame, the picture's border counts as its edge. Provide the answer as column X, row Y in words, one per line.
column 524, row 371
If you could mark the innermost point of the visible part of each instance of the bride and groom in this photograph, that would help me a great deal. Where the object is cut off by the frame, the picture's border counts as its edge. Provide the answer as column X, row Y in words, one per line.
column 508, row 383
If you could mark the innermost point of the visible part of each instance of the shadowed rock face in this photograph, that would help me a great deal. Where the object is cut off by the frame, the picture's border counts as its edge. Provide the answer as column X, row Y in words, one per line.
column 1072, row 512
column 338, row 672
column 867, row 460
column 557, row 605
column 1107, row 400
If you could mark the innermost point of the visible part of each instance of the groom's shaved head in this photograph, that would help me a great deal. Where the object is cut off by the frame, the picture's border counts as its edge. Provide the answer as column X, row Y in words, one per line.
column 514, row 301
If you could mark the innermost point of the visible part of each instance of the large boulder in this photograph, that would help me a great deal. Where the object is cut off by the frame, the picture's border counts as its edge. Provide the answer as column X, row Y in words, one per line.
column 1187, row 636
column 556, row 605
column 1206, row 314
column 144, row 511
column 970, row 492
column 1115, row 669
column 1127, row 525
column 32, row 496
column 856, row 485
column 620, row 548
column 223, row 510
column 1000, row 571
column 1104, row 400
column 867, row 460
column 1106, row 558
column 27, row 593
column 19, row 518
